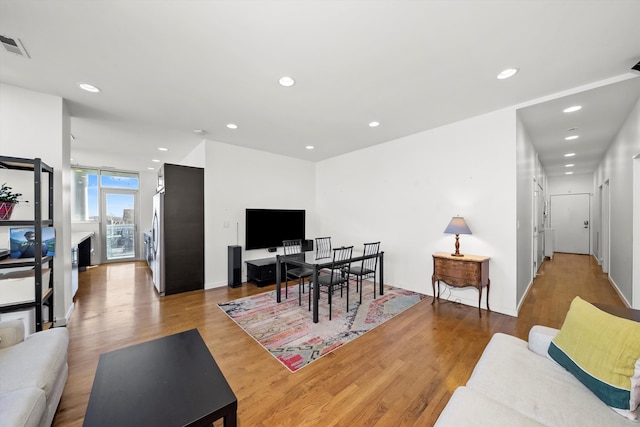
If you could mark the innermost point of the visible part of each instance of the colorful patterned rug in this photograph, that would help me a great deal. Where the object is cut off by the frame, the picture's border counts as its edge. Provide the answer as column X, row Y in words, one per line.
column 287, row 330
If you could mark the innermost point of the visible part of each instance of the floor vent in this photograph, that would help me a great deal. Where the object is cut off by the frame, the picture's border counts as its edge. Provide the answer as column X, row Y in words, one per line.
column 13, row 46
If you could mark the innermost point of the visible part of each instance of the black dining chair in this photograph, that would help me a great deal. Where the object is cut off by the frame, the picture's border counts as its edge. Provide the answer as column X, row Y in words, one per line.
column 323, row 247
column 368, row 267
column 293, row 247
column 336, row 275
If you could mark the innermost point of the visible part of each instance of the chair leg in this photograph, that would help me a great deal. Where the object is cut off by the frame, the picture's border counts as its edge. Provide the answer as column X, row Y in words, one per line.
column 330, row 292
column 347, row 295
column 359, row 279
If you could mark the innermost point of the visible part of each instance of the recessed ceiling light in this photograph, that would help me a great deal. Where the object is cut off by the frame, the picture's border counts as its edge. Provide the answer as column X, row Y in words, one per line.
column 309, row 147
column 155, row 161
column 88, row 87
column 286, row 81
column 232, row 126
column 568, row 173
column 572, row 109
column 163, row 149
column 571, row 138
column 199, row 131
column 151, row 169
column 505, row 74
column 570, row 165
column 374, row 124
column 570, row 154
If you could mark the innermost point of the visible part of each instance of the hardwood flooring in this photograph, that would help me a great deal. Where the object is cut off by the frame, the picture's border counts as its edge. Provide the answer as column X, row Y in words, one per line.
column 400, row 374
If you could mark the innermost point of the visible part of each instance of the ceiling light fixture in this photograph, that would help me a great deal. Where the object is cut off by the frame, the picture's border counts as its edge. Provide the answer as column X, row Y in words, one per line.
column 571, row 138
column 568, row 173
column 286, row 81
column 309, row 147
column 88, row 87
column 505, row 74
column 570, row 154
column 570, row 165
column 232, row 126
column 155, row 161
column 163, row 149
column 374, row 124
column 151, row 169
column 572, row 109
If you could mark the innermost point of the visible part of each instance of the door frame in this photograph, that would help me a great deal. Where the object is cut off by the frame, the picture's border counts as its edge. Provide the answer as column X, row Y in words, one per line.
column 103, row 226
column 635, row 272
column 589, row 219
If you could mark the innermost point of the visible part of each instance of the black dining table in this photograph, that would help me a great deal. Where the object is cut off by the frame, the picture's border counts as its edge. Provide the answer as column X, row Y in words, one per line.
column 309, row 260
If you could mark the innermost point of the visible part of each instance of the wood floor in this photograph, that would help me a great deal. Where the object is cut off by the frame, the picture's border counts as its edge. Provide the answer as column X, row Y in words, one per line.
column 400, row 374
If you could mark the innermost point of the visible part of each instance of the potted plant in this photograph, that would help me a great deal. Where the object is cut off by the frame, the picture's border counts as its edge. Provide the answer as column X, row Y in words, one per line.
column 8, row 200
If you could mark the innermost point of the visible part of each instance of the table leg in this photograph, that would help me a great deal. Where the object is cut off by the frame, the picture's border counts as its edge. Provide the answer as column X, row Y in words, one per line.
column 230, row 420
column 381, row 273
column 433, row 287
column 479, row 299
column 488, row 287
column 316, row 290
column 278, row 279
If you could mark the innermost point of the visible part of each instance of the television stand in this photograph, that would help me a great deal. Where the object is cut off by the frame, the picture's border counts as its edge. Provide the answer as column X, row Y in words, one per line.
column 262, row 271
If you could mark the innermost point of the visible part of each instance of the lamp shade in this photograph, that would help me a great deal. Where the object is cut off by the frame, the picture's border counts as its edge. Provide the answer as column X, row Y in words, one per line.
column 457, row 225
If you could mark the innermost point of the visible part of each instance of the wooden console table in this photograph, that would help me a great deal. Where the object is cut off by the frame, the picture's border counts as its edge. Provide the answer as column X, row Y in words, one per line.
column 460, row 272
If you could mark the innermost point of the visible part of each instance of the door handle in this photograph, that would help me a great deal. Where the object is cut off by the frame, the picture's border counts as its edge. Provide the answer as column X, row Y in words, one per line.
column 586, row 224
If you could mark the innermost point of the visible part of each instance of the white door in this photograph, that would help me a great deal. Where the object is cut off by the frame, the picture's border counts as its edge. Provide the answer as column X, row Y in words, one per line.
column 571, row 220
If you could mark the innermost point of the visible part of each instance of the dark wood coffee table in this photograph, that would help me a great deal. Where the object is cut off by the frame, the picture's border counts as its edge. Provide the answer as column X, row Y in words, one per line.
column 171, row 381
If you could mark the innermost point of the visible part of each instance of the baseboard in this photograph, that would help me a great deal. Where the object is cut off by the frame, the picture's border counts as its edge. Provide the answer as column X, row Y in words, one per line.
column 615, row 288
column 63, row 322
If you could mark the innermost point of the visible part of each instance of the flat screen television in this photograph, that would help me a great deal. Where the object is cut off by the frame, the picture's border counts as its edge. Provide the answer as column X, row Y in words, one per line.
column 267, row 228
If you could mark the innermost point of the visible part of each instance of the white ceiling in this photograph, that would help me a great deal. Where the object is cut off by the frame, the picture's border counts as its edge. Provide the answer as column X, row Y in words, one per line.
column 168, row 67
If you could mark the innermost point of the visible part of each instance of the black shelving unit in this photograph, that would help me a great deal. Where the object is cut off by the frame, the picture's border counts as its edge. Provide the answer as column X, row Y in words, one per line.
column 40, row 170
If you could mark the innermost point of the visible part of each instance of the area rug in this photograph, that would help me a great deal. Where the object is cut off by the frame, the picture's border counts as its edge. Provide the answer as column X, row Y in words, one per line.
column 287, row 331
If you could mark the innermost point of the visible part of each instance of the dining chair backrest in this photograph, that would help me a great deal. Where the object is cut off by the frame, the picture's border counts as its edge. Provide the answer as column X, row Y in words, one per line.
column 292, row 246
column 341, row 264
column 323, row 247
column 371, row 263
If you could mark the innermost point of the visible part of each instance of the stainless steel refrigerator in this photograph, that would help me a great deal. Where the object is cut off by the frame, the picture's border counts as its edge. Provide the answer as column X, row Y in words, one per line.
column 157, row 243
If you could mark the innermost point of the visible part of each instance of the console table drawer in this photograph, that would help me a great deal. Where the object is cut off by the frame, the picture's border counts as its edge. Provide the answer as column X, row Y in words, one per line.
column 457, row 269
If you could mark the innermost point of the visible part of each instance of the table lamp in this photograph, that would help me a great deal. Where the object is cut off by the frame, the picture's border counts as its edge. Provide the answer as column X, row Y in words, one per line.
column 457, row 226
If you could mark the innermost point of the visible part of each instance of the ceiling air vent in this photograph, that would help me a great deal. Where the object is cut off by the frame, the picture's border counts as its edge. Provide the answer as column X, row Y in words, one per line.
column 13, row 46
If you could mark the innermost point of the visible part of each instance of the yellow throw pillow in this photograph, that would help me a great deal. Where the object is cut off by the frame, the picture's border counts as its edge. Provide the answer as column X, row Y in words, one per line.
column 603, row 352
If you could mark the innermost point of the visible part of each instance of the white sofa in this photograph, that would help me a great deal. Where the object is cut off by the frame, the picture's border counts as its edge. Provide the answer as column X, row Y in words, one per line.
column 515, row 384
column 33, row 372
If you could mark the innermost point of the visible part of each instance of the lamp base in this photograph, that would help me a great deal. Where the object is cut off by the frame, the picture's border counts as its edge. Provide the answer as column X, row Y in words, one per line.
column 457, row 255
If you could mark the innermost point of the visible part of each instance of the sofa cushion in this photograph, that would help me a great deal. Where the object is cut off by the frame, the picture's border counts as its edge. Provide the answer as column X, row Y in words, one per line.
column 603, row 352
column 22, row 407
column 470, row 408
column 11, row 332
column 36, row 362
column 509, row 373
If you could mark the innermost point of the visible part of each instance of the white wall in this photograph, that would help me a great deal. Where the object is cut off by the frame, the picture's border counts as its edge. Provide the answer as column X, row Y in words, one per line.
column 37, row 125
column 237, row 178
column 571, row 184
column 404, row 193
column 617, row 167
column 527, row 182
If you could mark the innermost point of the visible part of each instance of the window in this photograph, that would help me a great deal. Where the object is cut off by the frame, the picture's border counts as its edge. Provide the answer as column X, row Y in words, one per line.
column 85, row 190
